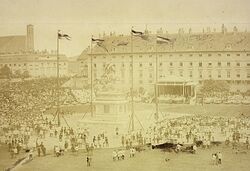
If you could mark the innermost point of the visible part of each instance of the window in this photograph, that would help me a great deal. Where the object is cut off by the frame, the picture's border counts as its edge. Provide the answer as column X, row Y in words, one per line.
column 190, row 54
column 228, row 64
column 181, row 73
column 190, row 74
column 140, row 81
column 150, row 64
column 238, row 64
column 171, row 63
column 219, row 74
column 180, row 54
column 219, row 54
column 237, row 54
column 210, row 74
column 219, row 64
column 238, row 75
column 209, row 54
column 248, row 54
column 228, row 74
column 200, row 54
column 170, row 55
column 106, row 108
column 200, row 74
column 95, row 65
column 140, row 64
column 161, row 64
column 150, row 75
column 123, row 65
column 140, row 56
column 248, row 73
column 228, row 54
column 210, row 64
column 191, row 64
column 200, row 64
column 181, row 64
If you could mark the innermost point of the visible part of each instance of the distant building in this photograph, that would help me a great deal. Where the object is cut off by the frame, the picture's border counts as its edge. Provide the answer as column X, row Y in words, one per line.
column 193, row 56
column 18, row 53
column 37, row 64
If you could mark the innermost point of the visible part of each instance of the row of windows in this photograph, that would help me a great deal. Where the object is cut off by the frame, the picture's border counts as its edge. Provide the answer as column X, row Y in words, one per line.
column 219, row 75
column 190, row 54
column 181, row 64
column 25, row 64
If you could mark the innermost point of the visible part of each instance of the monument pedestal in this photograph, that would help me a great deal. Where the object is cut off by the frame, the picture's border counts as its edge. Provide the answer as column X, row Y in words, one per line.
column 110, row 112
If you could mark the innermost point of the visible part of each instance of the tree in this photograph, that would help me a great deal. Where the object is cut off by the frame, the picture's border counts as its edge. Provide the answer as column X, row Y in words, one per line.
column 18, row 73
column 214, row 86
column 26, row 74
column 5, row 72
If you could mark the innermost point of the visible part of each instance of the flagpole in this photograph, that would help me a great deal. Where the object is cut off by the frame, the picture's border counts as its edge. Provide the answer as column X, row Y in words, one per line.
column 91, row 77
column 57, row 57
column 132, row 86
column 156, row 86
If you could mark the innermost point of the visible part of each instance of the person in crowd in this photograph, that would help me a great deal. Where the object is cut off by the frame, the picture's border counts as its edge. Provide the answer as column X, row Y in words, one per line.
column 214, row 159
column 115, row 155
column 219, row 157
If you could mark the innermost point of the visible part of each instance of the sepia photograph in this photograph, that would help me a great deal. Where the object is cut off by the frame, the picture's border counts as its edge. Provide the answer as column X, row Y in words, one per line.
column 124, row 85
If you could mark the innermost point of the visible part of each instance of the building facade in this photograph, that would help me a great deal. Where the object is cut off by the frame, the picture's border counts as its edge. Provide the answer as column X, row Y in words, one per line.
column 197, row 57
column 17, row 52
column 36, row 64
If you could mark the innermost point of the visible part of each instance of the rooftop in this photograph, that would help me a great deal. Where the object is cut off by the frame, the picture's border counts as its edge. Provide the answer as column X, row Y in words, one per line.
column 181, row 42
column 12, row 44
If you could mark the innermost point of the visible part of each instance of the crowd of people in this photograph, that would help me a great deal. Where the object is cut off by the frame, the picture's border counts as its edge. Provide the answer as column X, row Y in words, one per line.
column 190, row 129
column 23, row 126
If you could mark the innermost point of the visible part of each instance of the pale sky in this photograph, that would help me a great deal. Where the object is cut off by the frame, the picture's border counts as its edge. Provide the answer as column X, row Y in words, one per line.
column 82, row 18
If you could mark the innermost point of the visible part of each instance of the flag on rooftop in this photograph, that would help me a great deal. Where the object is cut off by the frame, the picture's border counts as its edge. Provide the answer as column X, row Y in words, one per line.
column 122, row 44
column 136, row 33
column 100, row 43
column 161, row 40
column 97, row 40
column 139, row 34
column 61, row 36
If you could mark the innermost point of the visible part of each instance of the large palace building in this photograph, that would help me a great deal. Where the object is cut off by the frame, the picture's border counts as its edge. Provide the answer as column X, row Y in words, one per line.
column 188, row 56
column 17, row 52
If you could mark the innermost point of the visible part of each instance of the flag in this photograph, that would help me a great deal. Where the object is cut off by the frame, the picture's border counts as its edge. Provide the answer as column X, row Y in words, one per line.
column 97, row 40
column 99, row 43
column 161, row 40
column 136, row 33
column 61, row 36
column 139, row 34
column 122, row 44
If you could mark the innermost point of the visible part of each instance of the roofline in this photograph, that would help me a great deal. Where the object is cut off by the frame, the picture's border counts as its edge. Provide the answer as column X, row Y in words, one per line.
column 153, row 52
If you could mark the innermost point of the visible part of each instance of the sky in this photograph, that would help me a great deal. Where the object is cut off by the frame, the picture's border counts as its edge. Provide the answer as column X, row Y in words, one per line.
column 83, row 18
